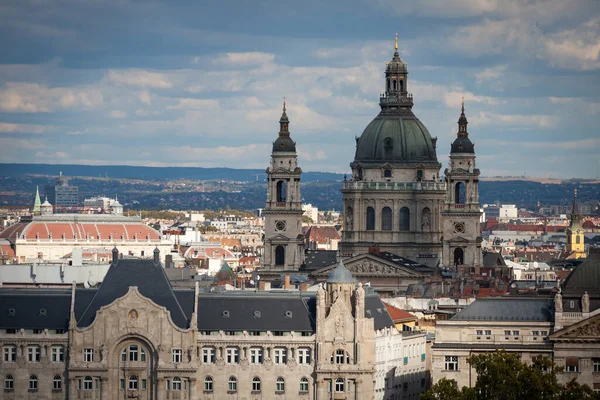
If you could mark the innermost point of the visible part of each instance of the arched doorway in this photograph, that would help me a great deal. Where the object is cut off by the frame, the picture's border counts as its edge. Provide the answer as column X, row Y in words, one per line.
column 135, row 373
column 459, row 256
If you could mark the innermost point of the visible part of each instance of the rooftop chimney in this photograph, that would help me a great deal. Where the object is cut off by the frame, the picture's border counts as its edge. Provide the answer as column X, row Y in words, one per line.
column 115, row 256
column 156, row 257
column 286, row 282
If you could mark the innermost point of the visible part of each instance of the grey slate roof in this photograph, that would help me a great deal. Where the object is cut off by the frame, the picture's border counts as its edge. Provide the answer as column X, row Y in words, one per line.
column 151, row 281
column 341, row 274
column 374, row 308
column 27, row 305
column 317, row 259
column 507, row 309
column 585, row 277
column 256, row 311
column 492, row 259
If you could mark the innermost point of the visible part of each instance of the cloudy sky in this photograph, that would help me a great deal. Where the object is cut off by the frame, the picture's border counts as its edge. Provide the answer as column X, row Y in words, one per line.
column 200, row 83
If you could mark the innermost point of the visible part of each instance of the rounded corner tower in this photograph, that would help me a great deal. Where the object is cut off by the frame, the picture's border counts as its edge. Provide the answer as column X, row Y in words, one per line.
column 394, row 197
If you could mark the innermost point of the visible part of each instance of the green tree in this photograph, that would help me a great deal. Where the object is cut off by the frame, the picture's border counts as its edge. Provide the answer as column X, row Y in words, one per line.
column 307, row 220
column 503, row 376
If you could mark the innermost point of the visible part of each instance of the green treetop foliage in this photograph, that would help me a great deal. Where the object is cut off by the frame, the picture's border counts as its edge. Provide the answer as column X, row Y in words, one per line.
column 503, row 376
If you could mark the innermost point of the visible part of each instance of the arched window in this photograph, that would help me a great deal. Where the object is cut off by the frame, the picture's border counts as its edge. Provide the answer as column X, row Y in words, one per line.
column 57, row 382
column 349, row 218
column 232, row 384
column 339, row 385
column 304, row 385
column 279, row 255
column 208, row 384
column 9, row 383
column 404, row 219
column 386, row 219
column 419, row 175
column 426, row 219
column 388, row 85
column 459, row 193
column 401, row 85
column 280, row 385
column 177, row 383
column 458, row 256
column 133, row 383
column 281, row 191
column 33, row 383
column 88, row 383
column 370, row 219
column 256, row 384
column 577, row 239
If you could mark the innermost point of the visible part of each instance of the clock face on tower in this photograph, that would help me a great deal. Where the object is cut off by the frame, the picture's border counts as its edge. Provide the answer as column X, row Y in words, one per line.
column 280, row 226
column 459, row 227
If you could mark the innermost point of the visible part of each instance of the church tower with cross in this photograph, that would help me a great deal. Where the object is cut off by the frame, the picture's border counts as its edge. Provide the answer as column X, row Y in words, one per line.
column 394, row 198
column 284, row 241
column 575, row 240
column 461, row 213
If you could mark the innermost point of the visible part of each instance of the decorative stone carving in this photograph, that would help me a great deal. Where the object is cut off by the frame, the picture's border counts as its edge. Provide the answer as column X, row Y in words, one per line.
column 585, row 303
column 590, row 330
column 558, row 305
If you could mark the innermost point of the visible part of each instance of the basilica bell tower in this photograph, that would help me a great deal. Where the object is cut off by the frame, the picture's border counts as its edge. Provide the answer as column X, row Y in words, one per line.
column 284, row 241
column 461, row 214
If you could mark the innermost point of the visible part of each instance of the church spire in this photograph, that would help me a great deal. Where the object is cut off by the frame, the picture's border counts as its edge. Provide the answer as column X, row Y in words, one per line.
column 37, row 202
column 284, row 122
column 575, row 211
column 462, row 121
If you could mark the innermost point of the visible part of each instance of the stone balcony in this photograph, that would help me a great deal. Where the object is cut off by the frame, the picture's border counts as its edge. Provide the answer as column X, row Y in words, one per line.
column 395, row 186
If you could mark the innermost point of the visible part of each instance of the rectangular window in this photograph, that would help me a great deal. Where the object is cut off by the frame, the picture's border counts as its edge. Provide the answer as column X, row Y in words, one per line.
column 256, row 355
column 488, row 332
column 451, row 363
column 535, row 333
column 339, row 356
column 303, row 356
column 177, row 356
column 144, row 384
column 58, row 354
column 506, row 333
column 233, row 355
column 572, row 364
column 208, row 355
column 10, row 354
column 122, row 384
column 544, row 333
column 133, row 352
column 280, row 356
column 88, row 355
column 34, row 354
column 479, row 332
column 515, row 333
column 596, row 364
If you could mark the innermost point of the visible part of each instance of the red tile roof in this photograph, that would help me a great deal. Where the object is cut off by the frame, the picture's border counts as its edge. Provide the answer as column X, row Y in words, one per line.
column 322, row 234
column 399, row 315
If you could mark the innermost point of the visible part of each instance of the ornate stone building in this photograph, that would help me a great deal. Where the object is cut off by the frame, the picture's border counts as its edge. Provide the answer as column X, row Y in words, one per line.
column 394, row 197
column 395, row 200
column 137, row 337
column 462, row 241
column 284, row 241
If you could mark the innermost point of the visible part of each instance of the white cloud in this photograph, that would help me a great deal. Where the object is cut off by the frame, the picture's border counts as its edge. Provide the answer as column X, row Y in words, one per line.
column 145, row 97
column 245, row 59
column 21, row 128
column 195, row 104
column 118, row 114
column 140, row 78
column 36, row 98
column 539, row 121
column 494, row 76
column 577, row 48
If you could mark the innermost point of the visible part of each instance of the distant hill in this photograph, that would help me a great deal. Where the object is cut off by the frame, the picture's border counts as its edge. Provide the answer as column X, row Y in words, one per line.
column 152, row 173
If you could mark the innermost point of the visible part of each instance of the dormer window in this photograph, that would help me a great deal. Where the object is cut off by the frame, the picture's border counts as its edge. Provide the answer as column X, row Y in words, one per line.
column 387, row 173
column 388, row 143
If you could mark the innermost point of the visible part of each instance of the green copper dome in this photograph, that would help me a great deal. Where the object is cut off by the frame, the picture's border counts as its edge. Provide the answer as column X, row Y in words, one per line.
column 396, row 135
column 395, row 138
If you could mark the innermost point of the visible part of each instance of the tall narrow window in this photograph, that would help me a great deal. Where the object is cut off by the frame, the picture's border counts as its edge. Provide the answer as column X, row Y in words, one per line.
column 304, row 385
column 133, row 382
column 33, row 383
column 57, row 383
column 370, row 219
column 459, row 193
column 339, row 385
column 208, row 384
column 280, row 385
column 404, row 219
column 58, row 354
column 279, row 255
column 281, row 191
column 176, row 384
column 10, row 353
column 256, row 384
column 232, row 384
column 9, row 383
column 401, row 85
column 386, row 219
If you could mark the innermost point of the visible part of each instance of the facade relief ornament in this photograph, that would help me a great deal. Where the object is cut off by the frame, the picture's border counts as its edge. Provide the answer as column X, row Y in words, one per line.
column 585, row 302
column 268, row 364
column 558, row 305
column 220, row 363
column 591, row 330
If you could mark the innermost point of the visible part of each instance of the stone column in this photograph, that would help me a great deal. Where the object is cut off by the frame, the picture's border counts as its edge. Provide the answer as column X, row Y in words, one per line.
column 73, row 388
column 104, row 388
column 161, row 391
